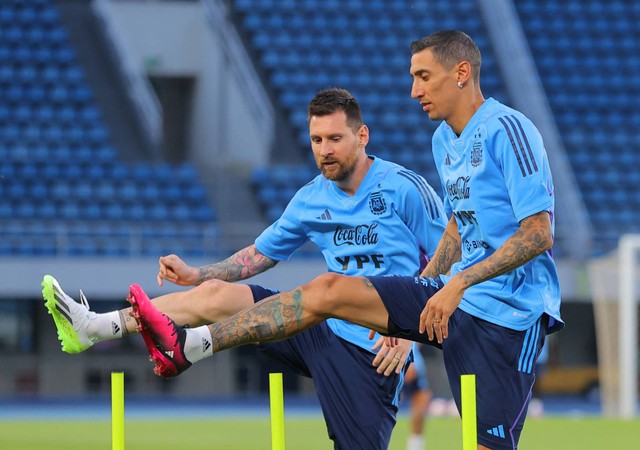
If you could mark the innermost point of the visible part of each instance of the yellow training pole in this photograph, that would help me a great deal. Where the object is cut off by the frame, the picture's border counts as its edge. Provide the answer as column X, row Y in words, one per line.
column 117, row 410
column 469, row 415
column 277, row 411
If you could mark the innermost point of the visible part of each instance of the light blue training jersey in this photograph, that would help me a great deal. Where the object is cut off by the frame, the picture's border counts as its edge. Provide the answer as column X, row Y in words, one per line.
column 494, row 175
column 391, row 226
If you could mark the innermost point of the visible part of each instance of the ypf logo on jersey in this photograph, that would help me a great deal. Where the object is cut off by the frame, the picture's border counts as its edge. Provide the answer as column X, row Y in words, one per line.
column 377, row 204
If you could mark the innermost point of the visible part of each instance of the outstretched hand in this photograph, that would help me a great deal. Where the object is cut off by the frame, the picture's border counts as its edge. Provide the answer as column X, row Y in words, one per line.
column 174, row 269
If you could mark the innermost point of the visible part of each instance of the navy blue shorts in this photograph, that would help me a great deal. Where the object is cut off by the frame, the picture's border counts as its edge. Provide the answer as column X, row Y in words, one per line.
column 502, row 359
column 357, row 402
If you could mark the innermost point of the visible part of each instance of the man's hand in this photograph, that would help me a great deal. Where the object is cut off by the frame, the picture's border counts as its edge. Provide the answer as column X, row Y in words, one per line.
column 392, row 354
column 175, row 270
column 434, row 319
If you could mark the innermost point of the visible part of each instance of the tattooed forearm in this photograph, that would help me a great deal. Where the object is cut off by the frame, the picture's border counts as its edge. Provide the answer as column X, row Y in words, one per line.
column 448, row 252
column 272, row 319
column 239, row 266
column 532, row 239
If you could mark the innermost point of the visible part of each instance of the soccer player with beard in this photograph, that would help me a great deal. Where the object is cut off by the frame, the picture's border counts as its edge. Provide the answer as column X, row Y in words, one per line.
column 367, row 216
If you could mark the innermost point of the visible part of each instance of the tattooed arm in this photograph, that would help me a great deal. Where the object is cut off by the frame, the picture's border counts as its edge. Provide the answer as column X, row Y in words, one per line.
column 447, row 252
column 533, row 238
column 530, row 240
column 241, row 265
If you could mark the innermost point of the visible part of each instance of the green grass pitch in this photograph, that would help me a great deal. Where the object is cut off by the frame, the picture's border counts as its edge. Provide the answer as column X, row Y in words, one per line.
column 550, row 433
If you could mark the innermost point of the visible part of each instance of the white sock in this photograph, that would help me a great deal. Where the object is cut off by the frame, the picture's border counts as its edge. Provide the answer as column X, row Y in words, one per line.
column 415, row 442
column 197, row 345
column 105, row 326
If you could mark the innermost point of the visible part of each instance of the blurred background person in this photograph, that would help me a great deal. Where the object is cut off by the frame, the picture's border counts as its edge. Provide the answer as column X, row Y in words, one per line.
column 417, row 393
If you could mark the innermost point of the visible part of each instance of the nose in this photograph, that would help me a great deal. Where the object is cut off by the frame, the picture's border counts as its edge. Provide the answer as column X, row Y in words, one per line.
column 325, row 148
column 416, row 90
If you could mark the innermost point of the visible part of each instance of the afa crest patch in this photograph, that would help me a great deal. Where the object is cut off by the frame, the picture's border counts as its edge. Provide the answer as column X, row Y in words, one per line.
column 377, row 205
column 476, row 148
column 476, row 154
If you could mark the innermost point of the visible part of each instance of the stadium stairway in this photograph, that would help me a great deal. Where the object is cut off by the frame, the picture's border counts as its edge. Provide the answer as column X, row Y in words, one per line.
column 105, row 79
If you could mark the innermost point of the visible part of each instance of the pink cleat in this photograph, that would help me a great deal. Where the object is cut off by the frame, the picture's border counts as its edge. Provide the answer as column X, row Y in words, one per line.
column 163, row 338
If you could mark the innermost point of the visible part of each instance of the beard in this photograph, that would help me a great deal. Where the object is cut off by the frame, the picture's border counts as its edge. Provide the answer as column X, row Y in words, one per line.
column 339, row 171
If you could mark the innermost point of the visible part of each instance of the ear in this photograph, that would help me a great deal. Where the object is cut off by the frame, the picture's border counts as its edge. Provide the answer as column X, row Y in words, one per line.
column 363, row 136
column 464, row 72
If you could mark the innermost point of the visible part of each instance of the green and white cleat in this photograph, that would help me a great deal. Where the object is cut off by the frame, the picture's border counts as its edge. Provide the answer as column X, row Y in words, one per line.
column 70, row 317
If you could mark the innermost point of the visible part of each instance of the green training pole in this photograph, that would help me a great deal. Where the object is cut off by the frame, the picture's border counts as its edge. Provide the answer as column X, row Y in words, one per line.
column 469, row 415
column 277, row 411
column 117, row 410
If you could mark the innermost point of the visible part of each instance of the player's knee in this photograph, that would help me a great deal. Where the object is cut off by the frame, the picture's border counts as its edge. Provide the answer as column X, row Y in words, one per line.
column 322, row 293
column 207, row 299
column 209, row 288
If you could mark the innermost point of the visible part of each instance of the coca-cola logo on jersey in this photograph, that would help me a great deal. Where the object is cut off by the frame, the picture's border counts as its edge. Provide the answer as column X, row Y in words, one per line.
column 458, row 189
column 359, row 235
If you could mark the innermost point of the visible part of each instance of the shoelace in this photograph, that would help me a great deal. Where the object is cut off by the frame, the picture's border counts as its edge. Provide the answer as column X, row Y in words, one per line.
column 175, row 331
column 84, row 300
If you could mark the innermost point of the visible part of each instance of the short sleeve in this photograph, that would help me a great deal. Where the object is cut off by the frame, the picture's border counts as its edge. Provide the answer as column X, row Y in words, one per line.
column 521, row 155
column 285, row 235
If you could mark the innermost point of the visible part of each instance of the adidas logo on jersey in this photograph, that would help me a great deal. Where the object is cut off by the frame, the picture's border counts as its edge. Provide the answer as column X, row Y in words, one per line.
column 115, row 328
column 205, row 345
column 326, row 215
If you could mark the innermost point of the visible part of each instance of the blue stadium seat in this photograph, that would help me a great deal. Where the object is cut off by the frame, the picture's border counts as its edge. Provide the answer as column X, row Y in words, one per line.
column 114, row 211
column 158, row 212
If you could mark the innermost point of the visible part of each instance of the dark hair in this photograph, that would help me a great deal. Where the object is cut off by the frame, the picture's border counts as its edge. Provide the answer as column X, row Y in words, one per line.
column 450, row 47
column 331, row 100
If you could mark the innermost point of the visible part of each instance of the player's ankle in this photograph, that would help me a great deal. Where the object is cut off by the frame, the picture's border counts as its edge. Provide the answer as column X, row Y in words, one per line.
column 197, row 344
column 105, row 326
